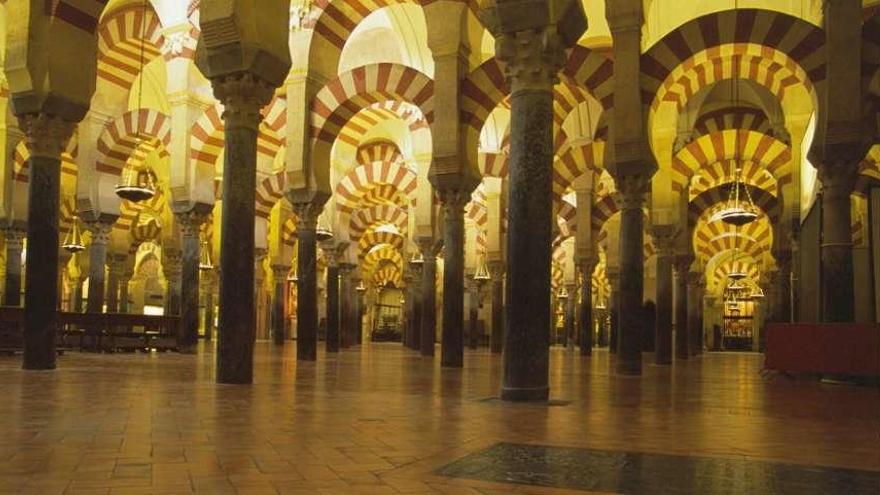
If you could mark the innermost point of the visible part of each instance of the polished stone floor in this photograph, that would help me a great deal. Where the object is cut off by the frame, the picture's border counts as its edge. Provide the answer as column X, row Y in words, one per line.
column 379, row 419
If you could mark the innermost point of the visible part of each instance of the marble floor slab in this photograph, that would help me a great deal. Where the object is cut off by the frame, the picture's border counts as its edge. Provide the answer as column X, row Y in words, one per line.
column 381, row 419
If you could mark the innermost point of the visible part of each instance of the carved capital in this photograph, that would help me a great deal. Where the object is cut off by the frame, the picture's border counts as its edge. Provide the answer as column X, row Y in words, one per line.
column 190, row 222
column 242, row 95
column 46, row 135
column 496, row 270
column 15, row 238
column 307, row 215
column 664, row 239
column 260, row 254
column 454, row 200
column 100, row 232
column 682, row 264
column 631, row 191
column 179, row 43
column 172, row 262
column 531, row 59
column 279, row 272
column 838, row 178
column 346, row 269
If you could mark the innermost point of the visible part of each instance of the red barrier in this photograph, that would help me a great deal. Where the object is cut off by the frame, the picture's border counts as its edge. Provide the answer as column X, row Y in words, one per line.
column 840, row 348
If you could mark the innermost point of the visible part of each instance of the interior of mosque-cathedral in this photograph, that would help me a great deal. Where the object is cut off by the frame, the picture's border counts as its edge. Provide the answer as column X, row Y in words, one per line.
column 658, row 180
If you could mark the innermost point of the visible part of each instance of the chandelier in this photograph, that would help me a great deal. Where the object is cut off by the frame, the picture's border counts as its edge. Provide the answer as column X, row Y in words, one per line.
column 562, row 294
column 323, row 232
column 482, row 273
column 205, row 261
column 293, row 274
column 361, row 288
column 138, row 184
column 739, row 209
column 417, row 259
column 73, row 242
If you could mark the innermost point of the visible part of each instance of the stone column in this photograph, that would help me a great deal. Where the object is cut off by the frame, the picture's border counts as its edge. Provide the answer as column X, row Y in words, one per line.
column 46, row 136
column 172, row 269
column 115, row 271
column 838, row 183
column 416, row 293
column 682, row 268
column 332, row 300
column 694, row 313
column 496, row 340
column 473, row 313
column 426, row 335
column 190, row 224
column 210, row 283
column 613, row 274
column 408, row 324
column 242, row 95
column 452, row 335
column 124, row 280
column 279, row 279
column 260, row 277
column 307, row 285
column 570, row 312
column 585, row 318
column 346, row 320
column 97, row 263
column 664, row 243
column 14, row 247
column 632, row 191
column 77, row 306
column 782, row 286
column 531, row 58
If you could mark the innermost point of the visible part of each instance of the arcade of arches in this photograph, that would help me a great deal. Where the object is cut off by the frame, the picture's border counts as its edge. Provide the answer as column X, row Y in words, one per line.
column 517, row 184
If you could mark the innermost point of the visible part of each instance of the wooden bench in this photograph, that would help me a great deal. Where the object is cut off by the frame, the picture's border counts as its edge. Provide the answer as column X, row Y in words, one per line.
column 107, row 332
column 825, row 348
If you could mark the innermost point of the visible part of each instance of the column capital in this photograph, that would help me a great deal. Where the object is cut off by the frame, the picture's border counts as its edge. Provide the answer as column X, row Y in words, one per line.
column 307, row 215
column 279, row 272
column 190, row 222
column 454, row 200
column 587, row 264
column 683, row 263
column 260, row 254
column 531, row 59
column 496, row 269
column 429, row 247
column 172, row 262
column 346, row 268
column 47, row 135
column 179, row 42
column 100, row 231
column 242, row 95
column 15, row 237
column 664, row 237
column 838, row 178
column 696, row 279
column 631, row 190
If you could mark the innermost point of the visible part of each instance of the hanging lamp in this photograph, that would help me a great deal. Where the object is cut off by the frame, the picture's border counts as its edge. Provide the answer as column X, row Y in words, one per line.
column 482, row 273
column 293, row 274
column 138, row 184
column 73, row 242
column 323, row 232
column 205, row 261
column 562, row 294
column 417, row 258
column 361, row 288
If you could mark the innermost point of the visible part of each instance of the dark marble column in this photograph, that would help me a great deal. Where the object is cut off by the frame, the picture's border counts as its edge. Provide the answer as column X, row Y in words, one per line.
column 782, row 287
column 531, row 68
column 172, row 269
column 694, row 313
column 452, row 335
column 210, row 282
column 124, row 280
column 496, row 340
column 115, row 270
column 473, row 314
column 190, row 224
column 307, row 285
column 632, row 192
column 332, row 301
column 663, row 326
column 585, row 311
column 426, row 335
column 346, row 321
column 838, row 183
column 97, row 264
column 416, row 292
column 46, row 137
column 682, row 268
column 14, row 247
column 260, row 277
column 243, row 95
column 279, row 281
column 613, row 274
column 77, row 306
column 570, row 312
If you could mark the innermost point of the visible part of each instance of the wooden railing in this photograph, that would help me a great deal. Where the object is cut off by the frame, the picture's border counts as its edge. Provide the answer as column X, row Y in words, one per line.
column 97, row 331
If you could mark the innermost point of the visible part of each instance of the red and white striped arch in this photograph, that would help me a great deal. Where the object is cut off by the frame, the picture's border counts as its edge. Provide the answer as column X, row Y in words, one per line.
column 120, row 36
column 714, row 237
column 366, row 219
column 377, row 238
column 728, row 117
column 710, row 200
column 121, row 137
column 269, row 191
column 362, row 122
column 774, row 37
column 739, row 145
column 572, row 160
column 383, row 252
column 378, row 180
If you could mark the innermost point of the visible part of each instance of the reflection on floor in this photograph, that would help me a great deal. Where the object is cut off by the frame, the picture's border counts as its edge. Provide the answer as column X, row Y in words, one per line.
column 634, row 472
column 379, row 419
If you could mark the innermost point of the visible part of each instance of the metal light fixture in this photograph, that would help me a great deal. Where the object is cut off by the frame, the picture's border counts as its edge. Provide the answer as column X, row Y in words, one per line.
column 482, row 273
column 562, row 294
column 417, row 258
column 205, row 261
column 138, row 184
column 73, row 242
column 736, row 275
column 323, row 232
column 601, row 305
column 739, row 209
column 361, row 288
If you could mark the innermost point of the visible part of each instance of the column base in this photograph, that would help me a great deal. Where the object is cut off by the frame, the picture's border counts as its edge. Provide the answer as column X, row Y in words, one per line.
column 38, row 366
column 665, row 361
column 628, row 368
column 539, row 394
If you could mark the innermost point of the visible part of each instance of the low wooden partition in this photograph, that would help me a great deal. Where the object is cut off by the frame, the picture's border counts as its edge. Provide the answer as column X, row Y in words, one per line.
column 825, row 348
column 97, row 331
